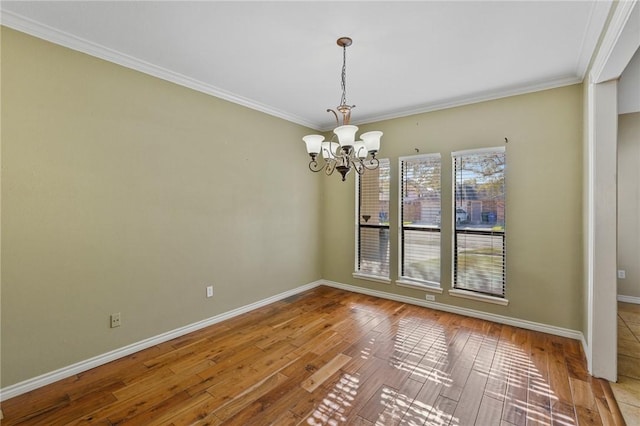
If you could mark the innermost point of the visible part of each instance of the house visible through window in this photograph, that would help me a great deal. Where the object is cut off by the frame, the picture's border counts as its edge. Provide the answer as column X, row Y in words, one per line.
column 479, row 213
column 372, row 223
column 420, row 219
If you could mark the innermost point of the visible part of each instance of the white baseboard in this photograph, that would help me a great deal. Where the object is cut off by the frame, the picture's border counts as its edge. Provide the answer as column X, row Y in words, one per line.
column 628, row 299
column 501, row 319
column 79, row 367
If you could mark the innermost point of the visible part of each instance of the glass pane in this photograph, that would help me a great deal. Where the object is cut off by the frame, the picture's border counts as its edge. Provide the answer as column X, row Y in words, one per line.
column 374, row 195
column 374, row 251
column 480, row 262
column 421, row 191
column 421, row 258
column 479, row 192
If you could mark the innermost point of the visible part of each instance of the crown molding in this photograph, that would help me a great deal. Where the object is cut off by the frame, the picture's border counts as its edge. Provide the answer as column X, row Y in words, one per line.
column 53, row 35
column 597, row 22
column 620, row 41
column 473, row 99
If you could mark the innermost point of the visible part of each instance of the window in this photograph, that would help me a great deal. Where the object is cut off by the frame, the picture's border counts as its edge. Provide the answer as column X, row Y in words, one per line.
column 420, row 219
column 479, row 221
column 372, row 223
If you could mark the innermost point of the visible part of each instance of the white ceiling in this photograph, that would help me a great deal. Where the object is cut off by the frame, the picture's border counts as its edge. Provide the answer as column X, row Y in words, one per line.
column 282, row 57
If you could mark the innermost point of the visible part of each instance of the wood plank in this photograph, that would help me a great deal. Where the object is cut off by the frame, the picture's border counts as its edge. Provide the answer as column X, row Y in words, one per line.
column 587, row 417
column 470, row 398
column 198, row 412
column 442, row 413
column 245, row 399
column 462, row 368
column 327, row 370
column 88, row 403
column 379, row 401
column 499, row 372
column 611, row 402
column 395, row 411
column 563, row 414
column 516, row 396
column 490, row 409
column 582, row 394
column 538, row 398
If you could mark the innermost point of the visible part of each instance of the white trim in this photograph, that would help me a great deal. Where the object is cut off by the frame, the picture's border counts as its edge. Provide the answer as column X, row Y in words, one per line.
column 593, row 30
column 79, row 367
column 478, row 297
column 375, row 278
column 53, row 35
column 407, row 282
column 501, row 319
column 479, row 151
column 588, row 210
column 470, row 100
column 414, row 157
column 585, row 350
column 601, row 195
column 618, row 44
column 628, row 299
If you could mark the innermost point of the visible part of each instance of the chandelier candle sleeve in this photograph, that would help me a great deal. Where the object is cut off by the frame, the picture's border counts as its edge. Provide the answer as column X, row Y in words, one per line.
column 346, row 135
column 372, row 140
column 314, row 142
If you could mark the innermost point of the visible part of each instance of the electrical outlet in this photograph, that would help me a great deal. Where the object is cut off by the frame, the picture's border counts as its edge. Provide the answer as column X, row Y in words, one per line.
column 210, row 291
column 115, row 320
column 429, row 297
column 622, row 274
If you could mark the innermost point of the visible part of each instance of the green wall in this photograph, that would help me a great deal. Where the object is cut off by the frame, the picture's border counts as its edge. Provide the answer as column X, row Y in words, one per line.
column 125, row 193
column 544, row 200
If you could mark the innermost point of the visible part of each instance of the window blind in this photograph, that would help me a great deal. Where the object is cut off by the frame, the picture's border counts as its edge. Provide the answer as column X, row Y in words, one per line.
column 372, row 256
column 479, row 221
column 420, row 218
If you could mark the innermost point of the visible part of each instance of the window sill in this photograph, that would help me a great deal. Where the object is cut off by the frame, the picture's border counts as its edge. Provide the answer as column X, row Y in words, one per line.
column 433, row 288
column 479, row 297
column 371, row 278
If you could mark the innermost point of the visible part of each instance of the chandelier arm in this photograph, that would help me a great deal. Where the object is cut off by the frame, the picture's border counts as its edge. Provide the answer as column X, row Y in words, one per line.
column 314, row 166
column 337, row 119
column 374, row 163
column 330, row 167
column 358, row 165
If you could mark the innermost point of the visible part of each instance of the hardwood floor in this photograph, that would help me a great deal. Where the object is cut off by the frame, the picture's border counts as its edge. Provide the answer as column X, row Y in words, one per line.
column 627, row 390
column 329, row 357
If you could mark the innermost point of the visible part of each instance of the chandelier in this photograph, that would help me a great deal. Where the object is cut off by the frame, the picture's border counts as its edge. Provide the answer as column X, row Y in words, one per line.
column 348, row 153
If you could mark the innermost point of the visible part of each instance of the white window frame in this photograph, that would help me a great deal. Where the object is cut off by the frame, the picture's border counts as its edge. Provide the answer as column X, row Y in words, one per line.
column 403, row 280
column 357, row 272
column 461, row 292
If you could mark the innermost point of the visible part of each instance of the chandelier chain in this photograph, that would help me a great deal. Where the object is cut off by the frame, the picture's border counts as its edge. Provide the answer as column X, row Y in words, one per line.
column 343, row 101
